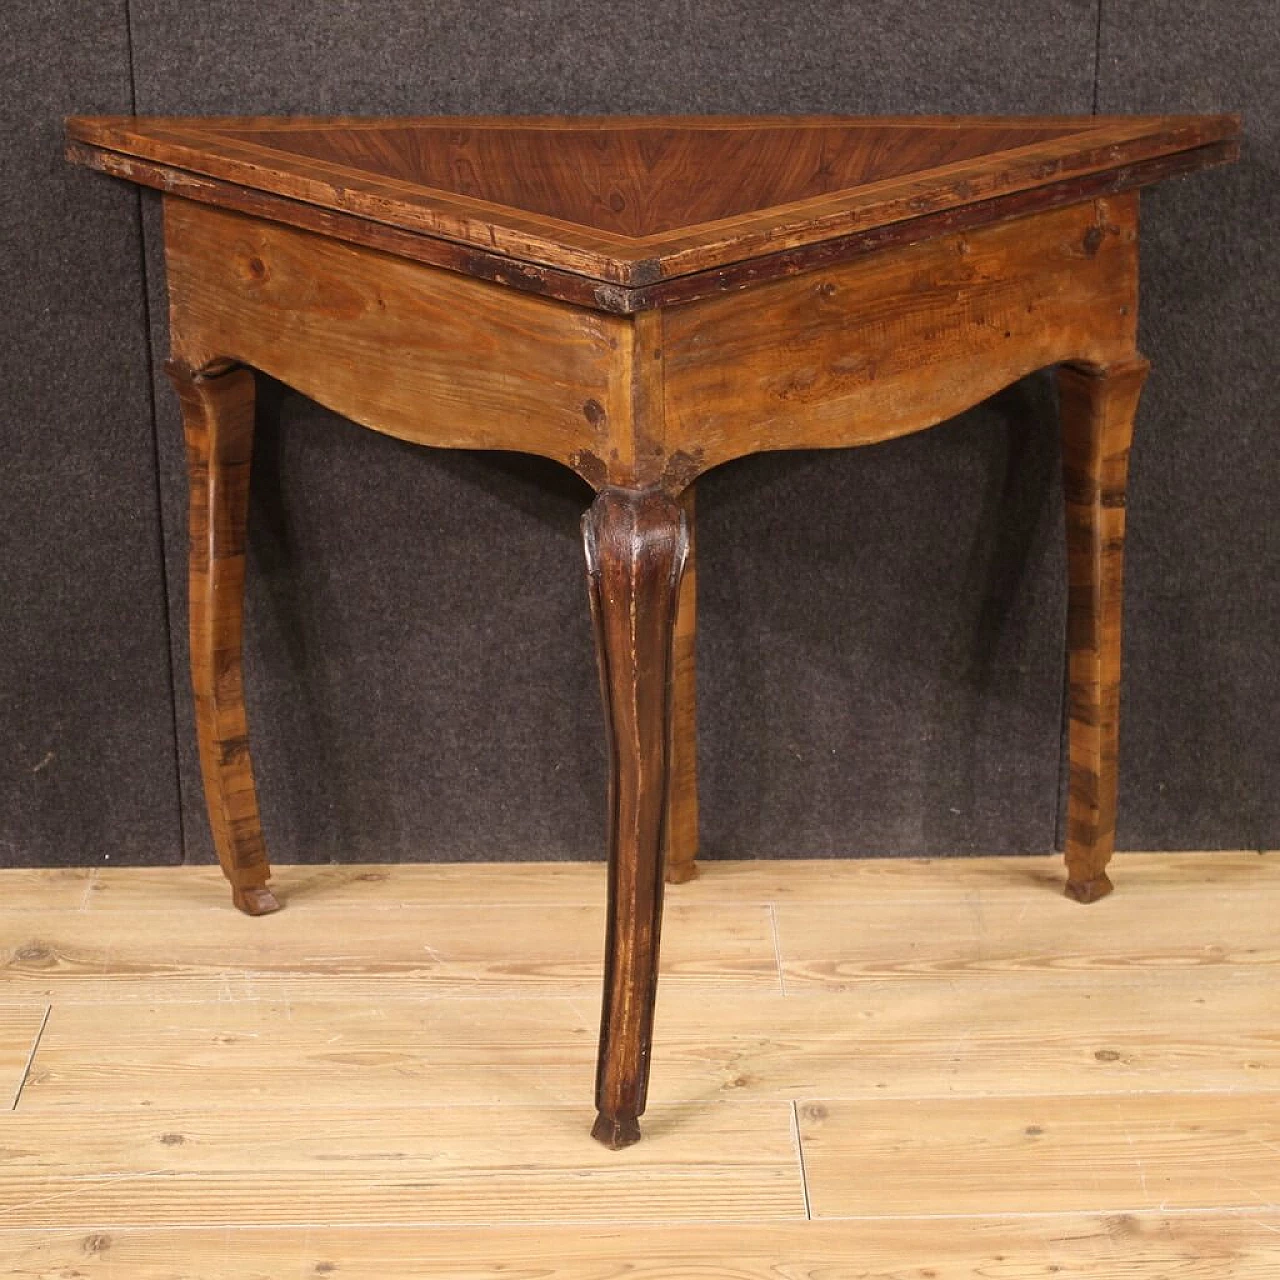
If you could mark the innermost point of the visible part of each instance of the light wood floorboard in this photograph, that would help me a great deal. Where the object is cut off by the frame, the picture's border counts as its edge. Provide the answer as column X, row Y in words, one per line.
column 1129, row 1246
column 1035, row 1155
column 583, row 883
column 421, row 951
column 953, row 940
column 20, row 1027
column 1175, row 1031
column 44, row 888
column 409, row 1165
column 872, row 1070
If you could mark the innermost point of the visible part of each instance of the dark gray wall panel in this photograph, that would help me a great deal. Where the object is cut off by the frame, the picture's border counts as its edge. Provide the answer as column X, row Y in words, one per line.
column 882, row 649
column 1202, row 684
column 881, row 629
column 404, row 56
column 87, row 770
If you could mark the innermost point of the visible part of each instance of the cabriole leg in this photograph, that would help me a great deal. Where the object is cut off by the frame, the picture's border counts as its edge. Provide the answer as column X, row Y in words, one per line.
column 1098, row 408
column 217, row 416
column 636, row 544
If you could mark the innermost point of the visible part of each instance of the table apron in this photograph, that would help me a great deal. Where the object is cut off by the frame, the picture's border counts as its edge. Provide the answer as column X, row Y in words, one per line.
column 846, row 355
column 903, row 339
column 407, row 349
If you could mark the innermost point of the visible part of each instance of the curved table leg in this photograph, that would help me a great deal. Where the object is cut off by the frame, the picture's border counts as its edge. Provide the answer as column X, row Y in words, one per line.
column 1098, row 408
column 217, row 417
column 635, row 543
column 682, row 803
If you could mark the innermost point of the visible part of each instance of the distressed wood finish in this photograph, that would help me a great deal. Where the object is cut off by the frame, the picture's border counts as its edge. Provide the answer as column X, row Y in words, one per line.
column 901, row 340
column 642, row 299
column 568, row 286
column 636, row 544
column 217, row 418
column 1098, row 409
column 631, row 201
column 408, row 350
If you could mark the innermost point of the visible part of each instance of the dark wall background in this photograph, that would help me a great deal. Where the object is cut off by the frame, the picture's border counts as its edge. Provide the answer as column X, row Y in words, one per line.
column 880, row 661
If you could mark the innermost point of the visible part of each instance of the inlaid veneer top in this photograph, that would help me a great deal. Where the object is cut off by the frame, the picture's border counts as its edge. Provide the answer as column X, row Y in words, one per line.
column 635, row 200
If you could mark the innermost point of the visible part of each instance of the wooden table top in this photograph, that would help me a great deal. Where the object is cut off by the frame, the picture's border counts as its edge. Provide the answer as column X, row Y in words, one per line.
column 632, row 212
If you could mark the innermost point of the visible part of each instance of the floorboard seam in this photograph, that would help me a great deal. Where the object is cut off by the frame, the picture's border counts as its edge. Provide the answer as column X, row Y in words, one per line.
column 610, row 1225
column 777, row 948
column 804, row 1175
column 349, row 1108
column 31, row 1057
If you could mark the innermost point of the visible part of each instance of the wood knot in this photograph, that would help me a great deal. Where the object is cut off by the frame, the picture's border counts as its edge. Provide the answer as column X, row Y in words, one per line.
column 257, row 268
column 99, row 1242
column 1093, row 240
column 172, row 1139
column 32, row 953
column 1123, row 1224
column 593, row 411
column 1107, row 1055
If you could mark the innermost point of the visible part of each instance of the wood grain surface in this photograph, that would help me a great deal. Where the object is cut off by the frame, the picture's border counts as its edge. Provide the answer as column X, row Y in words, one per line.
column 682, row 793
column 20, row 1027
column 901, row 340
column 1238, row 1245
column 1166, row 1152
column 426, row 951
column 45, row 888
column 635, row 549
column 1087, row 1120
column 421, row 354
column 895, row 881
column 478, row 1165
column 709, row 282
column 638, row 181
column 1200, row 1029
column 631, row 201
column 218, row 423
column 839, row 947
column 1098, row 407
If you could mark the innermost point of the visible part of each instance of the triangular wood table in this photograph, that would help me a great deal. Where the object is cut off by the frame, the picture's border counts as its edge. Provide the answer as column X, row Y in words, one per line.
column 641, row 299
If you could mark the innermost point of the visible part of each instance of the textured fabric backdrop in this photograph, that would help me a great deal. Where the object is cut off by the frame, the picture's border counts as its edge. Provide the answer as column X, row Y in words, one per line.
column 881, row 629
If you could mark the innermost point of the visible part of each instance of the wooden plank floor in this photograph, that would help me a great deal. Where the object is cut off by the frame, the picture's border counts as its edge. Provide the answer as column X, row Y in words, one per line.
column 864, row 1070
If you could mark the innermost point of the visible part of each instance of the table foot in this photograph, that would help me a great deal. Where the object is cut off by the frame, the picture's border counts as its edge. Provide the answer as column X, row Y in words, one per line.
column 682, row 872
column 258, row 901
column 1089, row 890
column 616, row 1132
